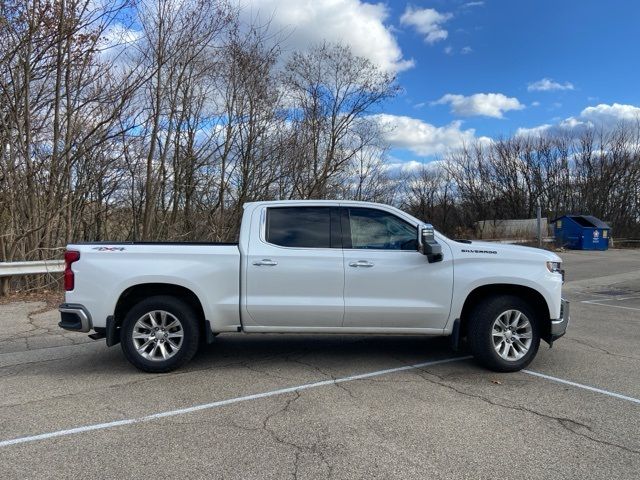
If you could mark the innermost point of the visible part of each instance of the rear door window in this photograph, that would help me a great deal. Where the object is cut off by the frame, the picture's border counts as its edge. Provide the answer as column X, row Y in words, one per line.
column 299, row 227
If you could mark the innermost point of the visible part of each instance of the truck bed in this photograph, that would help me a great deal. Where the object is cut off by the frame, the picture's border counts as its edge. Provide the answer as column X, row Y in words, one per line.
column 106, row 270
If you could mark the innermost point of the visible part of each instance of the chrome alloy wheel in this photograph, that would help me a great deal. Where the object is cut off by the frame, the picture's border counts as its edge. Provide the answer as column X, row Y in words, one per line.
column 511, row 335
column 157, row 335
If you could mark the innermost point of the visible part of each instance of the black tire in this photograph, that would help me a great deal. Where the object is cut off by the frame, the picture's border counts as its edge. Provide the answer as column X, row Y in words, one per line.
column 480, row 332
column 189, row 324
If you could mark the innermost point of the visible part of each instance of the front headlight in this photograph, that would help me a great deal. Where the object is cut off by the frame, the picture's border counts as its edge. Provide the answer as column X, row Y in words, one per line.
column 554, row 267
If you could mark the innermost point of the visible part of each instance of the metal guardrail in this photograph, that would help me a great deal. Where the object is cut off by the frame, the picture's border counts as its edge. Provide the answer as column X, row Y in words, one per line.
column 14, row 269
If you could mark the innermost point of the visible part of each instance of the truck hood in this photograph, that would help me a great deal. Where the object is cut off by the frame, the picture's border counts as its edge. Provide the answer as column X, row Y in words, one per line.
column 503, row 250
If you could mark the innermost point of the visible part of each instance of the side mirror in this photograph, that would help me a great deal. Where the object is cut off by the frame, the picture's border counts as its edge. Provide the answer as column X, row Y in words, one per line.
column 428, row 244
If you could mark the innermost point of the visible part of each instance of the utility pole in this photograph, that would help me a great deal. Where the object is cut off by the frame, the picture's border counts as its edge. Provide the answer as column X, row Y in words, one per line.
column 539, row 217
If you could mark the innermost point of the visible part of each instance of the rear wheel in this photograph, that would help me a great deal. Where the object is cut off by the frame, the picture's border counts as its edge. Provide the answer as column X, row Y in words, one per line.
column 160, row 334
column 504, row 333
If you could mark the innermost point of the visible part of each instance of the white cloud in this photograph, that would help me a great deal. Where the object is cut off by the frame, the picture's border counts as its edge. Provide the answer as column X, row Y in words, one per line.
column 611, row 114
column 472, row 4
column 604, row 116
column 547, row 84
column 421, row 138
column 448, row 49
column 466, row 50
column 426, row 21
column 484, row 104
column 352, row 22
column 533, row 131
column 535, row 104
column 572, row 123
column 397, row 166
column 116, row 40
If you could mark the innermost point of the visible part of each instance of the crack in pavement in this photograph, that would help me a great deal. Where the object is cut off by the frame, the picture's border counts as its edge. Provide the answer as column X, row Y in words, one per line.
column 30, row 322
column 339, row 385
column 298, row 449
column 145, row 377
column 41, row 331
column 562, row 421
column 33, row 362
column 72, row 355
column 93, row 389
column 29, row 350
column 245, row 364
column 12, row 373
column 601, row 349
column 265, row 426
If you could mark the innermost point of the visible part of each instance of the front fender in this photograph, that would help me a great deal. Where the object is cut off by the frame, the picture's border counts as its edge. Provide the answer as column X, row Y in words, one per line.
column 547, row 284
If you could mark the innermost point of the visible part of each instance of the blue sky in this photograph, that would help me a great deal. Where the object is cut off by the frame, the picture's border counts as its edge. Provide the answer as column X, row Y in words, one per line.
column 588, row 47
column 473, row 69
column 477, row 69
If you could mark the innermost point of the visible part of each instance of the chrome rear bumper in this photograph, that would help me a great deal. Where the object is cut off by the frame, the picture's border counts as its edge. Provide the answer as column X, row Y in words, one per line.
column 74, row 317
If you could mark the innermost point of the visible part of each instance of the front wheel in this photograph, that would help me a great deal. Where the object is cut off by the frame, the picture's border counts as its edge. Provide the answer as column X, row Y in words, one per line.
column 504, row 333
column 160, row 334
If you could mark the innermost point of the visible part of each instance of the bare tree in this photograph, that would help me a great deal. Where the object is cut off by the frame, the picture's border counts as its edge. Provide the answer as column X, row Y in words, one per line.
column 60, row 106
column 178, row 40
column 331, row 91
column 166, row 133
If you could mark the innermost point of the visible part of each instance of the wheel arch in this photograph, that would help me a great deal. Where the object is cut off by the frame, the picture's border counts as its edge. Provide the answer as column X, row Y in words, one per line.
column 135, row 293
column 533, row 297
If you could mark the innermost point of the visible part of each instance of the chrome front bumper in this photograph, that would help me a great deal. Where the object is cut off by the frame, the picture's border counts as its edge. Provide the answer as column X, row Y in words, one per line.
column 559, row 326
column 74, row 317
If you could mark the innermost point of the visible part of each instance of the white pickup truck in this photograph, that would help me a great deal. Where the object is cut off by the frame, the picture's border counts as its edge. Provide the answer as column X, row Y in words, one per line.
column 330, row 267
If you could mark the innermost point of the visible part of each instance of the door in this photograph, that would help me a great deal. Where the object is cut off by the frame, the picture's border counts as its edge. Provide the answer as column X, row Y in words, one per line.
column 295, row 270
column 388, row 283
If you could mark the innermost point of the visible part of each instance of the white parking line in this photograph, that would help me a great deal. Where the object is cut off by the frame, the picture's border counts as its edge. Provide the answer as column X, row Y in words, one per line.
column 220, row 403
column 230, row 401
column 628, row 298
column 599, row 302
column 581, row 385
column 591, row 294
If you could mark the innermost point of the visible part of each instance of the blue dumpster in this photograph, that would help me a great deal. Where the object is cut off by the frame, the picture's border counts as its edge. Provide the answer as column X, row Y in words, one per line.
column 581, row 232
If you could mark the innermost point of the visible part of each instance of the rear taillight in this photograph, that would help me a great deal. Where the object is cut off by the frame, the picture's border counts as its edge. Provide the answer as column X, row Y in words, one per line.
column 70, row 256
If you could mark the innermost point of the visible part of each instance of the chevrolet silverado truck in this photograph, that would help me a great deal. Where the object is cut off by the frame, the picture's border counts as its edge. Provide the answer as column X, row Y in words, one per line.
column 327, row 267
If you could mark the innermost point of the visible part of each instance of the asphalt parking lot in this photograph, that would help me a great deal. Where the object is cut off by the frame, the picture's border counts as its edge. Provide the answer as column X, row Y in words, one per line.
column 286, row 406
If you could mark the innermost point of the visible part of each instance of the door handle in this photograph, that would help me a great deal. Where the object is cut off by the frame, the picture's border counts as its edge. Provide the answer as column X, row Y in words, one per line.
column 361, row 263
column 265, row 262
